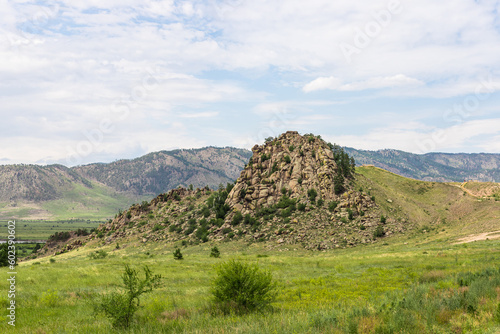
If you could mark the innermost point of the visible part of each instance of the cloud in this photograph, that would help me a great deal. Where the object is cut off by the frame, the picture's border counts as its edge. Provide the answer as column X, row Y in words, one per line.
column 66, row 65
column 322, row 83
column 333, row 83
column 416, row 137
column 207, row 114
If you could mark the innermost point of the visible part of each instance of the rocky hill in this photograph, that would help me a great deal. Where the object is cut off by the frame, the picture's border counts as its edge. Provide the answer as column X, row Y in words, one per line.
column 295, row 190
column 440, row 167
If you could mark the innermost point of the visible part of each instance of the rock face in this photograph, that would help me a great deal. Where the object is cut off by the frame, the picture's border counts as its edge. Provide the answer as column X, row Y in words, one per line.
column 291, row 164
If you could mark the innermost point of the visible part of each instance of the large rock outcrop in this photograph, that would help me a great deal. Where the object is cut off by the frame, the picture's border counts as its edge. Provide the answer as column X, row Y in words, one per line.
column 292, row 164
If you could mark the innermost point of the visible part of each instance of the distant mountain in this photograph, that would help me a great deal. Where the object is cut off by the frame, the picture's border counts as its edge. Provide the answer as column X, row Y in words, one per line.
column 159, row 172
column 37, row 183
column 440, row 167
column 98, row 191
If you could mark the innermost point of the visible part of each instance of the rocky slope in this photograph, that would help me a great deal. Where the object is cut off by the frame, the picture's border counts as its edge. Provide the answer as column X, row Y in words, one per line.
column 296, row 190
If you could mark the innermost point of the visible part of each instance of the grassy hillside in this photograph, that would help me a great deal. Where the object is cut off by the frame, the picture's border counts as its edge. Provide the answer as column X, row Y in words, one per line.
column 75, row 201
column 443, row 207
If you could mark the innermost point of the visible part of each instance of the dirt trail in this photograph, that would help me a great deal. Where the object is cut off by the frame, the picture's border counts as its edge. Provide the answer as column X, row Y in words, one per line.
column 478, row 237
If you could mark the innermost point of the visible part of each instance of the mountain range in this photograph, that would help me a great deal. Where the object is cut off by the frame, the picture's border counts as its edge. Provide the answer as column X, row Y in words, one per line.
column 99, row 190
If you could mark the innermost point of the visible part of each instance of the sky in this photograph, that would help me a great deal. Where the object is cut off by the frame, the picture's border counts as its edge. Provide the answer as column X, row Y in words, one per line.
column 97, row 81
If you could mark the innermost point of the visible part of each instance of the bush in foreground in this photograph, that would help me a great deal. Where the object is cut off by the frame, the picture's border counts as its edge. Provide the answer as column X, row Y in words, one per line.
column 120, row 307
column 242, row 288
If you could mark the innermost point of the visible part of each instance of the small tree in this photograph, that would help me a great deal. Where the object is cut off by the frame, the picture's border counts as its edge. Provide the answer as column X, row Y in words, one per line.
column 312, row 193
column 215, row 252
column 120, row 307
column 242, row 288
column 178, row 254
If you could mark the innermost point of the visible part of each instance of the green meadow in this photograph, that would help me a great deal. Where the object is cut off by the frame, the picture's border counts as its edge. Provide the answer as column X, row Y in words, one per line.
column 42, row 229
column 398, row 285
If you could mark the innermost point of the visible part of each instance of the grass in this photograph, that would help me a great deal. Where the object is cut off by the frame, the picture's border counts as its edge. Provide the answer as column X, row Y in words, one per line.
column 42, row 229
column 335, row 291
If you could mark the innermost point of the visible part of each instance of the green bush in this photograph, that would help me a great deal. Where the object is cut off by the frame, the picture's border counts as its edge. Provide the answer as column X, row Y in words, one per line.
column 120, row 307
column 100, row 254
column 332, row 206
column 214, row 252
column 383, row 219
column 237, row 218
column 241, row 288
column 178, row 254
column 312, row 194
column 301, row 207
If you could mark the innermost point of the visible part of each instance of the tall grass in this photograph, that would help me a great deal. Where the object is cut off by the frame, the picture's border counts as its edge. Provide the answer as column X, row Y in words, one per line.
column 369, row 289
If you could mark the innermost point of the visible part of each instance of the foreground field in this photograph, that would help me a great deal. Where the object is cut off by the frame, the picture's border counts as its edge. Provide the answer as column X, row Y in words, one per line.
column 401, row 285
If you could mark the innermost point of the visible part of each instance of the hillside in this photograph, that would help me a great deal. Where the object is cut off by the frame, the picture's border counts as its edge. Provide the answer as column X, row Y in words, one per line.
column 98, row 191
column 298, row 190
column 440, row 167
column 159, row 172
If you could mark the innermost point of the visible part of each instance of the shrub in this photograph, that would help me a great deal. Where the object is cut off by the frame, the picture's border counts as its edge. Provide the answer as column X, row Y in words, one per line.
column 379, row 232
column 242, row 288
column 178, row 254
column 291, row 148
column 320, row 202
column 100, row 254
column 120, row 307
column 332, row 206
column 215, row 252
column 157, row 227
column 338, row 181
column 129, row 214
column 274, row 168
column 350, row 214
column 237, row 218
column 383, row 219
column 312, row 194
column 82, row 232
column 301, row 207
column 287, row 159
column 144, row 205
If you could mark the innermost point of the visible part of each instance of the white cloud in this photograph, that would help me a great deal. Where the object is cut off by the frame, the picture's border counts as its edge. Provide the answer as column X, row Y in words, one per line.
column 470, row 136
column 333, row 83
column 207, row 114
column 65, row 66
column 322, row 83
